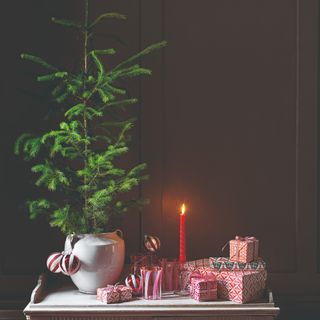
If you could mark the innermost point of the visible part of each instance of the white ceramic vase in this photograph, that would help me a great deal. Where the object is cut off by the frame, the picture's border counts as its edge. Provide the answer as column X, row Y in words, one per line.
column 102, row 259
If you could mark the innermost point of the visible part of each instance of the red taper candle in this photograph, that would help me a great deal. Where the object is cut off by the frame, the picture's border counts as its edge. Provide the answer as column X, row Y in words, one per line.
column 182, row 256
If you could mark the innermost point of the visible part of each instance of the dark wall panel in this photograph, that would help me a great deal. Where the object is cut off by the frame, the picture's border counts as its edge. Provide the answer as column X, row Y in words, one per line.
column 230, row 90
column 235, row 137
column 227, row 123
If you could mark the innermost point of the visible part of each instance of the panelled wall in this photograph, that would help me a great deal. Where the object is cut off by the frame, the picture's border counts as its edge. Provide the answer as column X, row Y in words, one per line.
column 228, row 123
column 231, row 129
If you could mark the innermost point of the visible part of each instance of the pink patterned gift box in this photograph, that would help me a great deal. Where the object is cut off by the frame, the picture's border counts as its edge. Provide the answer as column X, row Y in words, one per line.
column 192, row 265
column 244, row 249
column 204, row 289
column 125, row 293
column 110, row 294
column 187, row 268
column 237, row 286
column 114, row 294
column 223, row 263
column 241, row 286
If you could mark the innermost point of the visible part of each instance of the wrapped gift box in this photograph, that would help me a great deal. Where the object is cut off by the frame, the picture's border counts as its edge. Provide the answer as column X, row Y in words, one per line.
column 244, row 249
column 241, row 286
column 223, row 263
column 125, row 293
column 110, row 294
column 187, row 268
column 114, row 294
column 185, row 279
column 203, row 289
column 192, row 265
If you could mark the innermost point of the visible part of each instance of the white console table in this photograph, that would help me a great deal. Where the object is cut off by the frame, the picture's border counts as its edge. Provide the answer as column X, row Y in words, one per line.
column 66, row 303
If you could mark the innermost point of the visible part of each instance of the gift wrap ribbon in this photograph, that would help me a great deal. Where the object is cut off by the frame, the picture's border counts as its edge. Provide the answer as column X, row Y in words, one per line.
column 246, row 239
column 240, row 238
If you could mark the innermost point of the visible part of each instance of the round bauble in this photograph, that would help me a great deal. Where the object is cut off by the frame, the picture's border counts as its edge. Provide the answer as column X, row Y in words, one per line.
column 53, row 262
column 151, row 243
column 133, row 281
column 69, row 264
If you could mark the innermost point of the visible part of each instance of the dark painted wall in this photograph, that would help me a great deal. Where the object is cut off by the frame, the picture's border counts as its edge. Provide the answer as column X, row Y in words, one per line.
column 228, row 124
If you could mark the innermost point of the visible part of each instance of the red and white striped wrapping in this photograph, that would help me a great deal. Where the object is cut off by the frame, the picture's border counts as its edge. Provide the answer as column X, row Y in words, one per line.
column 244, row 249
column 203, row 289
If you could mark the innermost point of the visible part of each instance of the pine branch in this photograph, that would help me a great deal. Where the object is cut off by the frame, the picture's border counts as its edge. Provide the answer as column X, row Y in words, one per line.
column 67, row 23
column 20, row 141
column 52, row 76
column 108, row 15
column 37, row 207
column 38, row 60
column 120, row 103
column 142, row 53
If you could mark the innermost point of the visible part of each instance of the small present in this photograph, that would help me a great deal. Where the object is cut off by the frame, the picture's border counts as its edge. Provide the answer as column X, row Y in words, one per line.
column 223, row 263
column 114, row 294
column 244, row 249
column 110, row 294
column 203, row 288
column 206, row 273
column 241, row 286
column 187, row 268
column 125, row 293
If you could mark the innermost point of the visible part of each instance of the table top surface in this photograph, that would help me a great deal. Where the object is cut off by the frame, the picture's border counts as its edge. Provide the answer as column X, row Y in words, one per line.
column 69, row 298
column 66, row 299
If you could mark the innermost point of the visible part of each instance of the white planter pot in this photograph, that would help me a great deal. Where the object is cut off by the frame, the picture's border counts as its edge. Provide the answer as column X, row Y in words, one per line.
column 102, row 259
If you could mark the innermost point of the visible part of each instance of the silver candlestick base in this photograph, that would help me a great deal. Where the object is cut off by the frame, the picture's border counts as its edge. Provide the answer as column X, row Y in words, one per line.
column 182, row 292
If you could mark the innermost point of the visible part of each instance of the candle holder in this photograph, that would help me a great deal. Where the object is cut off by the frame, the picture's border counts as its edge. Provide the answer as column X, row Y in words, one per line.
column 151, row 277
column 170, row 282
column 184, row 276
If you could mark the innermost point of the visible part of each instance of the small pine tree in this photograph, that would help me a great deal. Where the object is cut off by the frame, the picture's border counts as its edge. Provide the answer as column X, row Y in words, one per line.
column 79, row 158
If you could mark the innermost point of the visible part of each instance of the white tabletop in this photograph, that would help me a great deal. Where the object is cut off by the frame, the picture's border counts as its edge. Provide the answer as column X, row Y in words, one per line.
column 68, row 303
column 70, row 298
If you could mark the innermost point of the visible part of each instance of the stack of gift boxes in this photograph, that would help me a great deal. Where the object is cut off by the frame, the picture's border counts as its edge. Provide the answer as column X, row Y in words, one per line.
column 240, row 278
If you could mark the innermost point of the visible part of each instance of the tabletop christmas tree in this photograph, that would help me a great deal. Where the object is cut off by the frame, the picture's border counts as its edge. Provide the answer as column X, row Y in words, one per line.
column 78, row 160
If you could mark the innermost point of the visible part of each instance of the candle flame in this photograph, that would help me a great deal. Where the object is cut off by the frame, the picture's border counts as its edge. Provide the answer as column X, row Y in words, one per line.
column 183, row 209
